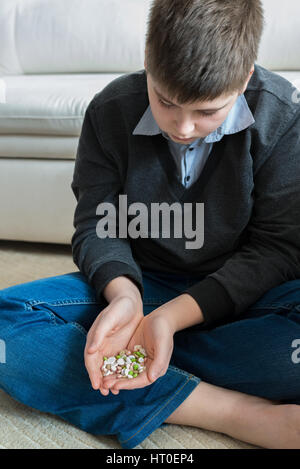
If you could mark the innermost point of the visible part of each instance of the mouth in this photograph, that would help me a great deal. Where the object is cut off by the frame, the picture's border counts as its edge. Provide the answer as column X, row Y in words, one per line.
column 182, row 139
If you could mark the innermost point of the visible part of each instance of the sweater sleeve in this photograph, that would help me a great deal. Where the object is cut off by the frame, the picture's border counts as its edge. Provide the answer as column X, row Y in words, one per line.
column 270, row 254
column 97, row 179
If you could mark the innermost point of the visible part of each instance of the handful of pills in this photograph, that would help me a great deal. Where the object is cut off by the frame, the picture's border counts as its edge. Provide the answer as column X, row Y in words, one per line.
column 125, row 364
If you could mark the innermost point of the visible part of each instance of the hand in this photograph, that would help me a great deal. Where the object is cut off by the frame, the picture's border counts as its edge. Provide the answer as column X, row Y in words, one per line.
column 155, row 334
column 110, row 333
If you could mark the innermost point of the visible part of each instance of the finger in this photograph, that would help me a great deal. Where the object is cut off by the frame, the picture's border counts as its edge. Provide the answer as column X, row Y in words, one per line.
column 108, row 386
column 134, row 383
column 109, row 382
column 103, row 391
column 93, row 365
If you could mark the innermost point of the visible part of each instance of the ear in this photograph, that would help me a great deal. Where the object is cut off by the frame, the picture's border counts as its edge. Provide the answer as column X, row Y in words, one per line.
column 248, row 79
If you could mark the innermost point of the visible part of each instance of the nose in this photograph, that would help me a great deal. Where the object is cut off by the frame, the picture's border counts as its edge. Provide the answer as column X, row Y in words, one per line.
column 184, row 127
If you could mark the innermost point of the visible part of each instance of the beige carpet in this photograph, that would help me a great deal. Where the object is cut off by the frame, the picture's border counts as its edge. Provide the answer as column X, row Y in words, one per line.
column 22, row 427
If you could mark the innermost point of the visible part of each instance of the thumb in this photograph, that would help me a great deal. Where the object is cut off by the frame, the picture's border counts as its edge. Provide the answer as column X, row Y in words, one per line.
column 154, row 373
column 161, row 358
column 97, row 335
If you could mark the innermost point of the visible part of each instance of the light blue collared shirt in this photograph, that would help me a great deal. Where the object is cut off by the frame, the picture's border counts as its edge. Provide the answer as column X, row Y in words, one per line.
column 190, row 159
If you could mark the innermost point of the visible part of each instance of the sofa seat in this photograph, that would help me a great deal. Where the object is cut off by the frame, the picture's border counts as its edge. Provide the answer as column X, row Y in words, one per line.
column 52, row 104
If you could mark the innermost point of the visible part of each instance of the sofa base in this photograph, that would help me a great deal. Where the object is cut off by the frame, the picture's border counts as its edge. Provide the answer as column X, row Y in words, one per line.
column 37, row 202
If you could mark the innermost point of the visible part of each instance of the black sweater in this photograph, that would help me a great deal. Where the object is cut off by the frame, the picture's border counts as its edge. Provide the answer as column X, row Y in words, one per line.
column 250, row 188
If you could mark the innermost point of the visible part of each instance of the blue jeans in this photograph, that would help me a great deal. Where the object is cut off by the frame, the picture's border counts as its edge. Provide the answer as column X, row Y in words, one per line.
column 44, row 324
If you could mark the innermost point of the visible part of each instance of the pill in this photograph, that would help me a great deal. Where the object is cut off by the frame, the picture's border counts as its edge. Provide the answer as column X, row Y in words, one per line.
column 125, row 364
column 111, row 360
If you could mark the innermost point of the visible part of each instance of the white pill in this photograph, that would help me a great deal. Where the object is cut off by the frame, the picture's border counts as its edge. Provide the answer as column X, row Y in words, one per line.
column 113, row 367
column 120, row 361
column 130, row 376
column 141, row 360
column 111, row 360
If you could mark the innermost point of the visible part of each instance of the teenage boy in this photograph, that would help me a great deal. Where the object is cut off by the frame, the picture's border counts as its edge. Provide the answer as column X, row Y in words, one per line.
column 202, row 124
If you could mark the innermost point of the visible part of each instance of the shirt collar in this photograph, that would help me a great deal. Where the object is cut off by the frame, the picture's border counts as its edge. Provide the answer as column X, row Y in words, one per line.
column 239, row 118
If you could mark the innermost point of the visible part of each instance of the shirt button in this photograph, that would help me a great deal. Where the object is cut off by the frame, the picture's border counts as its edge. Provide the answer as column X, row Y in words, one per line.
column 188, row 178
column 191, row 149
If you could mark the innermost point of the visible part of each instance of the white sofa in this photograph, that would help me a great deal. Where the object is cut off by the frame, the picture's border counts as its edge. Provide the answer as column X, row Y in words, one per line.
column 55, row 55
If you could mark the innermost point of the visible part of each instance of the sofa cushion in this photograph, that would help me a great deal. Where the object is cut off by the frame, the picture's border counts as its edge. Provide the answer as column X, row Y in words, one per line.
column 279, row 48
column 63, row 36
column 48, row 104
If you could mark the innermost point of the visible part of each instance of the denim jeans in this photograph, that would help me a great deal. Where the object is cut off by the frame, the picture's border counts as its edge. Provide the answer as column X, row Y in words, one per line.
column 44, row 325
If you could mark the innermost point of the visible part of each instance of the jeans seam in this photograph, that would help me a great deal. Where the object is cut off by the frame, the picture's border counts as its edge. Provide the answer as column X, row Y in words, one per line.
column 28, row 307
column 190, row 377
column 62, row 302
column 52, row 316
column 79, row 327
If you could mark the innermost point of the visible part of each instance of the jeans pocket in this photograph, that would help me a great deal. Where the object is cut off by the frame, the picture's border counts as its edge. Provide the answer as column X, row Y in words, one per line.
column 53, row 313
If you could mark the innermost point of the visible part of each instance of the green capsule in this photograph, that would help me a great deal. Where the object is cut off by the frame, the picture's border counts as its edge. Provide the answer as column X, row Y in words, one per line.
column 105, row 358
column 133, row 359
column 130, row 372
column 135, row 367
column 118, row 356
column 135, row 375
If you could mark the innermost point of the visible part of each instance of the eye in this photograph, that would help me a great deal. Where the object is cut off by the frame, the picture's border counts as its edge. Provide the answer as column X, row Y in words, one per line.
column 164, row 104
column 207, row 113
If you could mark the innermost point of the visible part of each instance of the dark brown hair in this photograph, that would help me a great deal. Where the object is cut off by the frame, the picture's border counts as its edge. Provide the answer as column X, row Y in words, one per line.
column 198, row 50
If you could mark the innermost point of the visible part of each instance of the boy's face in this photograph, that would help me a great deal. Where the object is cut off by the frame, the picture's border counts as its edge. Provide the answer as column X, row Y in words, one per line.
column 186, row 123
